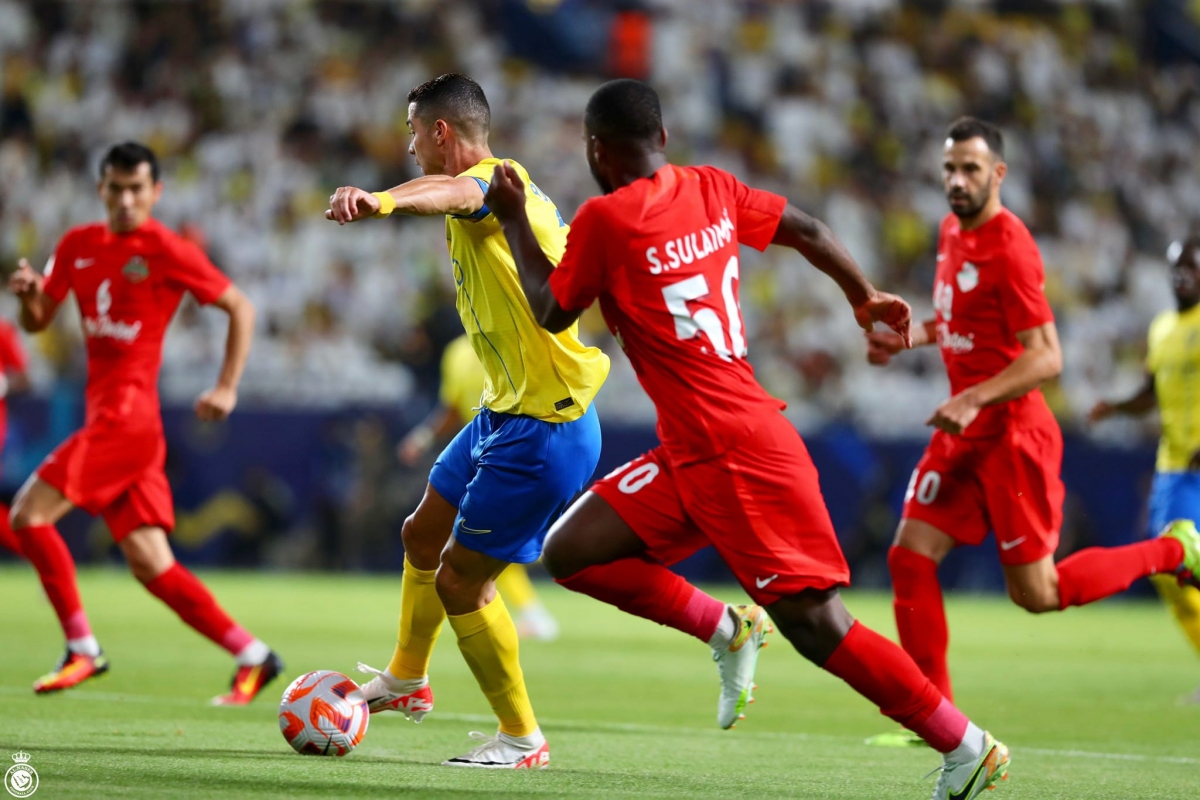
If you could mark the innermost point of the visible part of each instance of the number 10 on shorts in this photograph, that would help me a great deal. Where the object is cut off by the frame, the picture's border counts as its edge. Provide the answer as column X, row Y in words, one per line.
column 923, row 487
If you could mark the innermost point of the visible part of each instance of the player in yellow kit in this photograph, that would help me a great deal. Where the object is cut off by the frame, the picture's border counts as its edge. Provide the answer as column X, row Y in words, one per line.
column 462, row 382
column 502, row 481
column 1173, row 384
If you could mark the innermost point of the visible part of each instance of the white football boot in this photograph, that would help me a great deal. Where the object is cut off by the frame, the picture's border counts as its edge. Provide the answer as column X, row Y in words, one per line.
column 736, row 662
column 413, row 699
column 502, row 751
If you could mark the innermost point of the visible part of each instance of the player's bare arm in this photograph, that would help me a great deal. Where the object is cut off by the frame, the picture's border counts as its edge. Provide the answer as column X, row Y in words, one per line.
column 882, row 345
column 1040, row 361
column 427, row 196
column 440, row 425
column 506, row 199
column 218, row 402
column 1140, row 403
column 37, row 307
column 812, row 239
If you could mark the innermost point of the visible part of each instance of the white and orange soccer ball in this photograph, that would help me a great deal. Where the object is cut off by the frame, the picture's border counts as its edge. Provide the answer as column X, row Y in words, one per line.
column 323, row 713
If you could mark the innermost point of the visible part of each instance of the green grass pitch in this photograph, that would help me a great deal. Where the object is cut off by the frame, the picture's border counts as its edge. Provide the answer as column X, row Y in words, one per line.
column 1087, row 700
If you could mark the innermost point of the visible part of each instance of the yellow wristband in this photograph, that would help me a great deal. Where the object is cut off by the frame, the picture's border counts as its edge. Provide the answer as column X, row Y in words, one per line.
column 387, row 203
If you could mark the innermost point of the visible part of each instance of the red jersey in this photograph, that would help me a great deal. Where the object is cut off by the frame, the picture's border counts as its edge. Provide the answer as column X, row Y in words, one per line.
column 12, row 360
column 990, row 285
column 661, row 254
column 128, row 286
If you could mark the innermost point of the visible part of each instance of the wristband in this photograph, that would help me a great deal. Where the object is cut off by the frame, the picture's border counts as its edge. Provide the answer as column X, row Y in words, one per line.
column 387, row 203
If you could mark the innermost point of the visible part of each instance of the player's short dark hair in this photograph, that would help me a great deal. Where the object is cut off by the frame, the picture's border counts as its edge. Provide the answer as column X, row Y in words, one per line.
column 624, row 110
column 126, row 156
column 965, row 128
column 456, row 99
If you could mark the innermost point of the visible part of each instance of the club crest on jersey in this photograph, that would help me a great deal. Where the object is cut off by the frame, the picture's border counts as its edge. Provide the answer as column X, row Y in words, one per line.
column 136, row 269
column 968, row 277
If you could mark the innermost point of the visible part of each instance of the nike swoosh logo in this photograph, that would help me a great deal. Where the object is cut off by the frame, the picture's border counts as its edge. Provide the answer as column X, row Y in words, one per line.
column 469, row 529
column 82, row 263
column 762, row 582
column 941, row 256
column 965, row 791
column 1006, row 546
column 248, row 683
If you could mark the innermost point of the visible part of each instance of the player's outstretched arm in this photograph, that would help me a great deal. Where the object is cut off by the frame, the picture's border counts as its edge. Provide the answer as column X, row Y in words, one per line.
column 218, row 402
column 1141, row 403
column 37, row 307
column 882, row 345
column 1040, row 361
column 812, row 239
column 427, row 196
column 506, row 200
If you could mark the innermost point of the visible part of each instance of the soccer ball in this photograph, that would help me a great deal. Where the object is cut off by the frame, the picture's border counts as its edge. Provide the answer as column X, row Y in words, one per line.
column 323, row 713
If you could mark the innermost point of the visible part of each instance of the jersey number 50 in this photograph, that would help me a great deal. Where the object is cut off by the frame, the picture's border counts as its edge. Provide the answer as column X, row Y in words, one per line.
column 706, row 320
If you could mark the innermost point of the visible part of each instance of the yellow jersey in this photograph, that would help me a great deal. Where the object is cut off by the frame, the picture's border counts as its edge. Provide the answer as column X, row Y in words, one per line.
column 528, row 370
column 1173, row 358
column 462, row 379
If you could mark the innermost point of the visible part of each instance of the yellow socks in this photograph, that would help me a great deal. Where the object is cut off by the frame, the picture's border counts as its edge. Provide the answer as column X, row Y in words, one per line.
column 1184, row 602
column 516, row 587
column 421, row 615
column 488, row 641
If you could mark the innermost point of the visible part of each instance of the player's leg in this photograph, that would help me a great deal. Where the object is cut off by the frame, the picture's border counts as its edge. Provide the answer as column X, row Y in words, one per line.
column 943, row 508
column 139, row 520
column 821, row 629
column 594, row 551
column 8, row 537
column 36, row 509
column 761, row 506
column 534, row 621
column 527, row 471
column 404, row 685
column 487, row 638
column 1176, row 496
column 612, row 545
column 1026, row 510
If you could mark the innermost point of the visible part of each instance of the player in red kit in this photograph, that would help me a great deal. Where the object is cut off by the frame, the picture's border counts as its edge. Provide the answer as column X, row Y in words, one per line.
column 994, row 460
column 13, row 380
column 659, row 249
column 128, row 276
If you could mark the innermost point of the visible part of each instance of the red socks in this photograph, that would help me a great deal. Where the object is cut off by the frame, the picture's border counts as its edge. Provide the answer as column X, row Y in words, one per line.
column 49, row 555
column 195, row 605
column 8, row 538
column 649, row 590
column 920, row 614
column 1099, row 572
column 880, row 671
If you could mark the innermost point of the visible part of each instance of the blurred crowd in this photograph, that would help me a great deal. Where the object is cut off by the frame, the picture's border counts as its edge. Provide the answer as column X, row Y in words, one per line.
column 261, row 108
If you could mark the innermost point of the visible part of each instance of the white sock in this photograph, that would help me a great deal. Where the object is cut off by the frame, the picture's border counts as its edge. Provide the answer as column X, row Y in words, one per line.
column 253, row 654
column 727, row 630
column 84, row 646
column 403, row 685
column 531, row 742
column 971, row 747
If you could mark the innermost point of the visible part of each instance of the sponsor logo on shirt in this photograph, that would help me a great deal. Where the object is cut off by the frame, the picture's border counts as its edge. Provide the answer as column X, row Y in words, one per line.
column 954, row 342
column 101, row 326
column 691, row 247
column 84, row 263
column 105, row 328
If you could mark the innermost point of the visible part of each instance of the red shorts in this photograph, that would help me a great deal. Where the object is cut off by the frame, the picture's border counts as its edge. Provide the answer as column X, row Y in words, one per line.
column 1008, row 483
column 759, row 505
column 114, row 468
